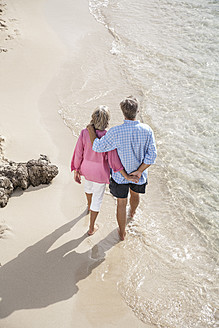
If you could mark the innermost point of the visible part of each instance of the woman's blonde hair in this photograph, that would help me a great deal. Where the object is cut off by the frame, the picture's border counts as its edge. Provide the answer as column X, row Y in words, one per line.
column 100, row 117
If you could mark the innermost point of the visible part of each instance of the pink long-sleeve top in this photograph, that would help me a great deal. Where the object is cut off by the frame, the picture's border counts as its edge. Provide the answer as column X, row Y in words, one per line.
column 94, row 166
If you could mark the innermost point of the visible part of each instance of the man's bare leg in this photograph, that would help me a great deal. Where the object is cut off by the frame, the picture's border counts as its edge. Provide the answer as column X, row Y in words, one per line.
column 92, row 228
column 121, row 216
column 134, row 201
column 89, row 199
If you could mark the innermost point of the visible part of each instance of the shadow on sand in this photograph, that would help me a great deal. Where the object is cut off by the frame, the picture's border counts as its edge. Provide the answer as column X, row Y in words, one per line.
column 18, row 191
column 37, row 277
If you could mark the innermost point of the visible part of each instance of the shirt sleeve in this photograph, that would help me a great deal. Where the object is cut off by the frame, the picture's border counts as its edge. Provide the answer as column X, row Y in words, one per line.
column 78, row 154
column 106, row 143
column 114, row 161
column 151, row 152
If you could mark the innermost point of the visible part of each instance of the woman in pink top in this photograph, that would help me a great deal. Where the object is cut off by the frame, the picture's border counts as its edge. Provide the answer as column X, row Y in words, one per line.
column 95, row 167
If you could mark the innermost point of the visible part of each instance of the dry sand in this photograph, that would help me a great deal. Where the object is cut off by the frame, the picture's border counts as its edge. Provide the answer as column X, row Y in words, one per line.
column 52, row 273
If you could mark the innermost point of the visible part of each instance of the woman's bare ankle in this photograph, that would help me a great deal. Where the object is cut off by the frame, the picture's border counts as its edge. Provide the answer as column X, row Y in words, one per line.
column 92, row 230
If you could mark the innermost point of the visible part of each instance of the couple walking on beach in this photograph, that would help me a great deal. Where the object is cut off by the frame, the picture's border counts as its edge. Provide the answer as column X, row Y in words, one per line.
column 119, row 157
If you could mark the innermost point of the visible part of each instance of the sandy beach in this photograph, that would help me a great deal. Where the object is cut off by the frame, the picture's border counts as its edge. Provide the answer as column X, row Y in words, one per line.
column 52, row 274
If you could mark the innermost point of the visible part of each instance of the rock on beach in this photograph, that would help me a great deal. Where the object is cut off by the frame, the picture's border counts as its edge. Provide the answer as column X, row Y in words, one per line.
column 22, row 175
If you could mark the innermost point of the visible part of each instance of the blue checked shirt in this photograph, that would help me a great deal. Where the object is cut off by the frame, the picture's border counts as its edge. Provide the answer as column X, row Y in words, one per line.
column 135, row 145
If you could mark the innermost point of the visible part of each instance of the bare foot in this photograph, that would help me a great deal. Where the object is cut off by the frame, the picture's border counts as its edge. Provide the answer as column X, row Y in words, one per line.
column 92, row 231
column 121, row 236
column 130, row 215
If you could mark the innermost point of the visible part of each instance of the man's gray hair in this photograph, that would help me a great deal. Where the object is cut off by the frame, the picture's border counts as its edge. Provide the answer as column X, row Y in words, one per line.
column 100, row 117
column 129, row 107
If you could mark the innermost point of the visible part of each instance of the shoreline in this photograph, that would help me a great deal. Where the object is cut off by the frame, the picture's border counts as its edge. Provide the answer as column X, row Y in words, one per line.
column 49, row 213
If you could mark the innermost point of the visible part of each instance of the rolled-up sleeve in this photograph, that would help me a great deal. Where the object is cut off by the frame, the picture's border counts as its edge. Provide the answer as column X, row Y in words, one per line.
column 151, row 151
column 106, row 143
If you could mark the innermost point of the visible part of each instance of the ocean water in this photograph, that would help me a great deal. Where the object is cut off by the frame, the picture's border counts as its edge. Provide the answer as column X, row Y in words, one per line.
column 165, row 52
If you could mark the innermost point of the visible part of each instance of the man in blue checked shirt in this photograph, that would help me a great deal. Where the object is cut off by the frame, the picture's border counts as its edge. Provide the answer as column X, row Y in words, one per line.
column 136, row 148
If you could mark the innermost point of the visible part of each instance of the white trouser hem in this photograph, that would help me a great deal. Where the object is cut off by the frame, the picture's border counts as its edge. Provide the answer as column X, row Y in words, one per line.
column 97, row 190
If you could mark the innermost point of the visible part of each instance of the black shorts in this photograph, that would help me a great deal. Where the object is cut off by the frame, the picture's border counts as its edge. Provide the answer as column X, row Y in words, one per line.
column 122, row 190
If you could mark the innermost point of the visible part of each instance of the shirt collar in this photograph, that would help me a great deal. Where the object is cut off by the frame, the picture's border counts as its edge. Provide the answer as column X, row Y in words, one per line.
column 130, row 122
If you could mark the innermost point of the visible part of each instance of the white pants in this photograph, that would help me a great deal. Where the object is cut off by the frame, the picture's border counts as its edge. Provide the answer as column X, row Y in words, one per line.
column 97, row 190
